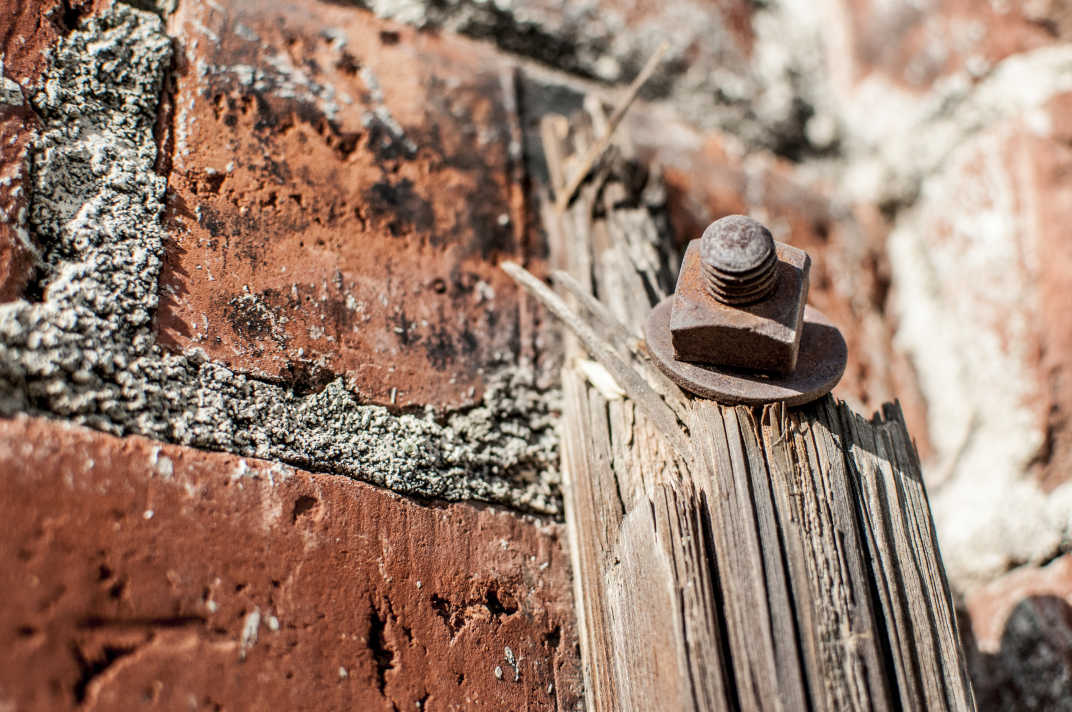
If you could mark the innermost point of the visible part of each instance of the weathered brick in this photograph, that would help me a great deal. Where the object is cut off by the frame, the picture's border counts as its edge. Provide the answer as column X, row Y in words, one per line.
column 16, row 260
column 913, row 44
column 27, row 29
column 143, row 573
column 981, row 300
column 341, row 189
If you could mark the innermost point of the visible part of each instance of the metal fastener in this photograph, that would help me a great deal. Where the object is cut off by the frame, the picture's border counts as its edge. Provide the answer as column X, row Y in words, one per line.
column 737, row 328
column 738, row 259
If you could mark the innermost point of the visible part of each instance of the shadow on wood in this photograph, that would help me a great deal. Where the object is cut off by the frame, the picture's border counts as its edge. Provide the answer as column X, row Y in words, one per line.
column 726, row 558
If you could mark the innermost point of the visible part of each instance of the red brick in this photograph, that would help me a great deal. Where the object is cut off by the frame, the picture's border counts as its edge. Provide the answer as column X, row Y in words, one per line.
column 735, row 18
column 27, row 29
column 133, row 568
column 341, row 190
column 1051, row 178
column 17, row 125
column 914, row 44
column 992, row 226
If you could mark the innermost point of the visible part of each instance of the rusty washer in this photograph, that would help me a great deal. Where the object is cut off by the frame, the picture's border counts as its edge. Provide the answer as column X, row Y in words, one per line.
column 736, row 328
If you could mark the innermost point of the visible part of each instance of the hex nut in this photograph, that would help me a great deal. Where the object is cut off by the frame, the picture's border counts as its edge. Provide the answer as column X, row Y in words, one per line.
column 762, row 336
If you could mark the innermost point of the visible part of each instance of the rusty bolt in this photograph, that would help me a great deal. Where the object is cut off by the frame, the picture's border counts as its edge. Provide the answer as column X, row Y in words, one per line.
column 739, row 260
column 735, row 328
column 740, row 299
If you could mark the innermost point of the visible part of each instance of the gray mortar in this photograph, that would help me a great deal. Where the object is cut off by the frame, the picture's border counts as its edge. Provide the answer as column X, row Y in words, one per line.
column 87, row 352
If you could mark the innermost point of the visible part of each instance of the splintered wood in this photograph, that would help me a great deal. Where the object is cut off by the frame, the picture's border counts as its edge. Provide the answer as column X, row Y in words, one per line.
column 725, row 558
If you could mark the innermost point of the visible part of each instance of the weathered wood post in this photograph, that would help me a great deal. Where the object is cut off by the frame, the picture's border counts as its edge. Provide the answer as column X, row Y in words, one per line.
column 727, row 558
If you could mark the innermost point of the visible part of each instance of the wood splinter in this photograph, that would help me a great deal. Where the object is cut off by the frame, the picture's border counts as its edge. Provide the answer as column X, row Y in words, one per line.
column 766, row 559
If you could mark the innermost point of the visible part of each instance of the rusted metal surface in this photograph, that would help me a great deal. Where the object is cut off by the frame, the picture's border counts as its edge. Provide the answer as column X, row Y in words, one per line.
column 739, row 260
column 819, row 366
column 764, row 335
column 737, row 328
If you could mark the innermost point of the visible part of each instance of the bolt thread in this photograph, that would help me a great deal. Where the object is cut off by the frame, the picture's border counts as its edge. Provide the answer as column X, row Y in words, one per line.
column 740, row 288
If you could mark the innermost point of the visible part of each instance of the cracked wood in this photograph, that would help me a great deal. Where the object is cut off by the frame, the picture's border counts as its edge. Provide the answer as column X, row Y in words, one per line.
column 782, row 559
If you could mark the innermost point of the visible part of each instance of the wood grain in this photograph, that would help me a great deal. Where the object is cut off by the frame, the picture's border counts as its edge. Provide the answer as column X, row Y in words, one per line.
column 727, row 558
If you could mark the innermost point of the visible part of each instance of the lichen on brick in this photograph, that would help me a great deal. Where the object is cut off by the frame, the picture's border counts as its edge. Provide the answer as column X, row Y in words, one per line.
column 87, row 352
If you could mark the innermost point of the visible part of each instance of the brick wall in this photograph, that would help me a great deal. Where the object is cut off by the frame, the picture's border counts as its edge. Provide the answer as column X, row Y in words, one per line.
column 247, row 265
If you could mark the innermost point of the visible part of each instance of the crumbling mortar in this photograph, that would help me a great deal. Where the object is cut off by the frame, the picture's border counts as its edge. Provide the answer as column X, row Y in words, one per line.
column 87, row 352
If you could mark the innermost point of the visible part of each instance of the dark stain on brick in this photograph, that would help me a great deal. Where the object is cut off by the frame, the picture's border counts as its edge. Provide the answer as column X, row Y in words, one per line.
column 403, row 328
column 337, row 313
column 490, row 235
column 386, row 144
column 482, row 229
column 398, row 205
column 306, row 377
column 347, row 63
column 491, row 318
column 462, row 282
column 469, row 342
column 249, row 319
column 278, row 171
column 382, row 653
column 440, row 348
column 211, row 220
